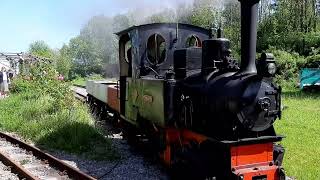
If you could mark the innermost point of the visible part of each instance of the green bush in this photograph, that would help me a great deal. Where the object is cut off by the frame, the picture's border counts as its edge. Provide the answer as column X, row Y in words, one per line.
column 311, row 62
column 70, row 129
column 42, row 79
column 302, row 43
column 287, row 63
column 43, row 109
column 21, row 85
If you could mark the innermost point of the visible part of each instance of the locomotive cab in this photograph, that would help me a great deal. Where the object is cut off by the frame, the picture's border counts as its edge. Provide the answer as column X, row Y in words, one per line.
column 146, row 64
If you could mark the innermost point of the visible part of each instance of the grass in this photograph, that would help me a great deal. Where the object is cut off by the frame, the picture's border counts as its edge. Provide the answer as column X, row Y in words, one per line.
column 301, row 126
column 68, row 129
column 79, row 81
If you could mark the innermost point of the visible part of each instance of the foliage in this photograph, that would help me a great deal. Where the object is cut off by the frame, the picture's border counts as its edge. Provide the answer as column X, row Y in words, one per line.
column 41, row 49
column 165, row 16
column 231, row 25
column 43, row 109
column 63, row 61
column 81, row 81
column 43, row 79
column 296, row 16
column 85, row 60
column 120, row 22
column 292, row 26
column 287, row 63
column 204, row 14
column 69, row 129
column 96, row 49
column 312, row 62
column 302, row 43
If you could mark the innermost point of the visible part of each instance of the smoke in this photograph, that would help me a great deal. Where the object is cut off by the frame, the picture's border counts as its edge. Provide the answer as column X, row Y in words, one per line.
column 104, row 18
column 149, row 7
column 139, row 12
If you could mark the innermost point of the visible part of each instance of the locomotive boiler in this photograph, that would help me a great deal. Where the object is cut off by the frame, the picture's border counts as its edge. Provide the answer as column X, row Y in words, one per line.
column 180, row 86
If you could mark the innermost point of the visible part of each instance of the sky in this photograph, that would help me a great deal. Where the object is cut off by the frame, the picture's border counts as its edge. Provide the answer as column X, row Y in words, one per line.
column 56, row 21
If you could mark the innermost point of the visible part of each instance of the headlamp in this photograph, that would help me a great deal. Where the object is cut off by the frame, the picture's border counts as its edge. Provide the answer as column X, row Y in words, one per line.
column 267, row 65
column 271, row 68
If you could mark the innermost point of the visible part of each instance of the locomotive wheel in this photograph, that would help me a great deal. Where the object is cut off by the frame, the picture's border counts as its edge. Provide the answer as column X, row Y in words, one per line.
column 186, row 169
column 114, row 119
column 190, row 163
column 130, row 134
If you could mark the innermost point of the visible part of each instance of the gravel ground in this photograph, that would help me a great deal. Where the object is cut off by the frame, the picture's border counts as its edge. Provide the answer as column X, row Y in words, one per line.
column 35, row 166
column 5, row 173
column 132, row 165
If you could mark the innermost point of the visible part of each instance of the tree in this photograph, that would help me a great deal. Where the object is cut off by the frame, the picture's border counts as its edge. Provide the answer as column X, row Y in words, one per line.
column 183, row 13
column 41, row 49
column 84, row 59
column 165, row 16
column 64, row 61
column 204, row 14
column 120, row 22
column 231, row 24
column 96, row 45
column 290, row 25
column 99, row 33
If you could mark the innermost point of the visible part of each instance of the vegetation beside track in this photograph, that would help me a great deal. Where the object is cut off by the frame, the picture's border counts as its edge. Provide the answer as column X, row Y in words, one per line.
column 43, row 109
column 300, row 124
column 81, row 81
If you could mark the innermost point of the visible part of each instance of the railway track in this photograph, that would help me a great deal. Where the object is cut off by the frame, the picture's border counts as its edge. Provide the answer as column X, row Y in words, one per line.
column 19, row 160
column 80, row 92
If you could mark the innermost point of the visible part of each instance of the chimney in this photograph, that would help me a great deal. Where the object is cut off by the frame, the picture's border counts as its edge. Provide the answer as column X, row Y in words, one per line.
column 249, row 12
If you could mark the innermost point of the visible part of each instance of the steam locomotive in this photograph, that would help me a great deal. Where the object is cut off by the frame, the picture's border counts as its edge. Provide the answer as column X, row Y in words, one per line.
column 181, row 87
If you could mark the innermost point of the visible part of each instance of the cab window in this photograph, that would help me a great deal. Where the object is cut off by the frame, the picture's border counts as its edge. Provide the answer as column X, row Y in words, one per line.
column 193, row 41
column 156, row 49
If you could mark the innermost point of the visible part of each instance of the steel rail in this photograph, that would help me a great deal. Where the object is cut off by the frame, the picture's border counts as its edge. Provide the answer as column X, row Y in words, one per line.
column 81, row 97
column 72, row 172
column 16, row 168
column 78, row 85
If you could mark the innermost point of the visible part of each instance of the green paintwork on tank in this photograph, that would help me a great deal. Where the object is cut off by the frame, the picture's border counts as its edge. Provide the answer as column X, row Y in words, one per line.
column 145, row 99
column 133, row 87
column 153, row 109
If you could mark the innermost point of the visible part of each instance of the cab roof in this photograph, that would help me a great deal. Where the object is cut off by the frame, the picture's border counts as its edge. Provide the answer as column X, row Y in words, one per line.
column 161, row 25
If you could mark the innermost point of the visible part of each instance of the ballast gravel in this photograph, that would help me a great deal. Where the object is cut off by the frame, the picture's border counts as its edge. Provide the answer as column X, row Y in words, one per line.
column 133, row 165
column 35, row 166
column 6, row 174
